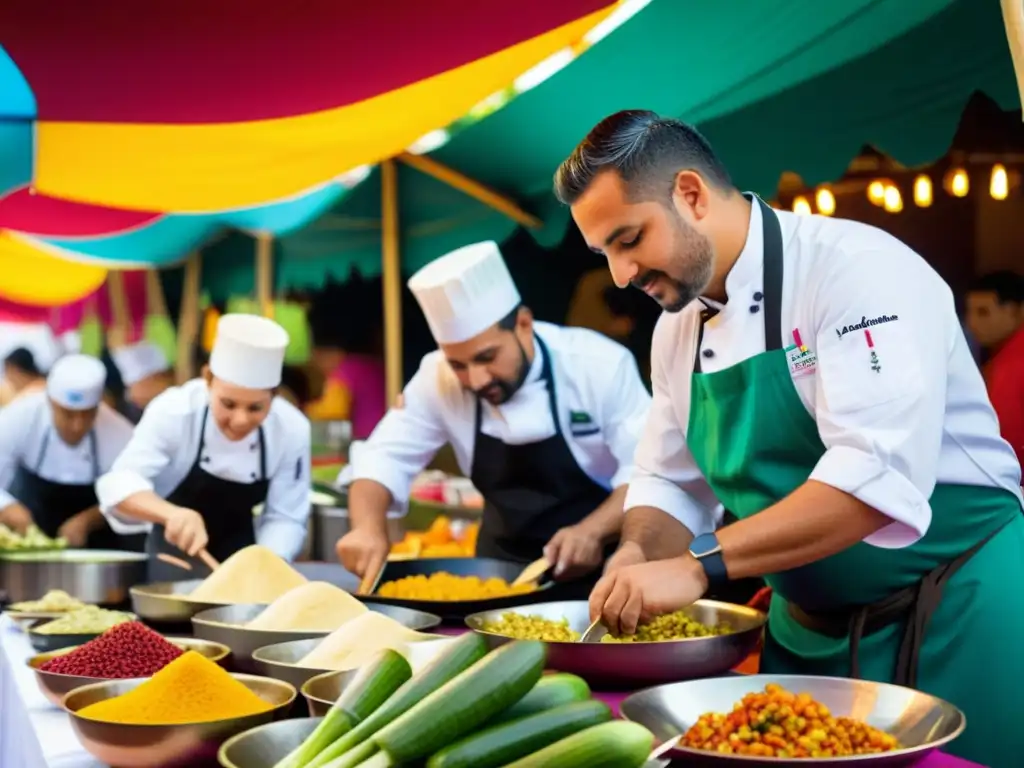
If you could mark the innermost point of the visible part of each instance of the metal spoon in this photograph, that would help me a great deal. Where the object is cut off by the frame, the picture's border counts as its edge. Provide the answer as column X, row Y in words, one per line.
column 592, row 632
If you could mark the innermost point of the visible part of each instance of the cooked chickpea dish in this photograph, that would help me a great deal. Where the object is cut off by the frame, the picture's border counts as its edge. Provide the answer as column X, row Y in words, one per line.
column 777, row 723
column 448, row 587
column 671, row 626
column 521, row 627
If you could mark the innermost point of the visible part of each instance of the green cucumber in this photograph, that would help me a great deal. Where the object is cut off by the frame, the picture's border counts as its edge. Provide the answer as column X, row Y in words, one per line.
column 379, row 760
column 356, row 756
column 469, row 700
column 457, row 657
column 509, row 741
column 550, row 691
column 372, row 686
column 618, row 744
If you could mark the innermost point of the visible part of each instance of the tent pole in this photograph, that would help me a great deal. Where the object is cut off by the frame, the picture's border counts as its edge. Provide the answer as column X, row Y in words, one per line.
column 1013, row 20
column 265, row 273
column 188, row 319
column 118, row 335
column 468, row 186
column 391, row 277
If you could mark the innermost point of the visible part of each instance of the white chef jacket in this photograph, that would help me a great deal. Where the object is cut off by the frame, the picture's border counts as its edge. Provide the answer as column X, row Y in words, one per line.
column 28, row 421
column 892, row 434
column 164, row 448
column 602, row 404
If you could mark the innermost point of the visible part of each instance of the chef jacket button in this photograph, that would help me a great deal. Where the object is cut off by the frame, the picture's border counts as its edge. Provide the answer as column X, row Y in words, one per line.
column 758, row 296
column 253, row 447
column 708, row 353
column 755, row 308
column 252, row 475
column 206, row 459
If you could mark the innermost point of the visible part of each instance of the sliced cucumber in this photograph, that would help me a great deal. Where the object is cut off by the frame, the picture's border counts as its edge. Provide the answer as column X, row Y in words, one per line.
column 550, row 691
column 618, row 744
column 469, row 700
column 460, row 655
column 500, row 744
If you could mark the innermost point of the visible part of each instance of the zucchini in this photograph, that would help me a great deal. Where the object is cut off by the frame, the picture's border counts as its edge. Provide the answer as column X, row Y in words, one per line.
column 472, row 698
column 618, row 744
column 550, row 691
column 509, row 741
column 372, row 686
column 379, row 760
column 459, row 656
column 356, row 756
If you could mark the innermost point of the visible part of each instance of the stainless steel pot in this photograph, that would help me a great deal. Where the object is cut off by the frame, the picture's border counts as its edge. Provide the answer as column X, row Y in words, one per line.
column 331, row 523
column 97, row 576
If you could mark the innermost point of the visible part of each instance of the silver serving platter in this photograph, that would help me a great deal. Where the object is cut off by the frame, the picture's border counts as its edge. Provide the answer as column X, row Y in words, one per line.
column 922, row 723
column 97, row 576
column 145, row 746
column 628, row 665
column 226, row 625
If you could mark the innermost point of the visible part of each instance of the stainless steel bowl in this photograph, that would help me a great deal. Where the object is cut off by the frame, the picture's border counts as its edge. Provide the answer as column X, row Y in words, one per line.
column 98, row 576
column 44, row 642
column 165, row 601
column 617, row 665
column 55, row 685
column 920, row 722
column 280, row 659
column 227, row 625
column 265, row 745
column 144, row 746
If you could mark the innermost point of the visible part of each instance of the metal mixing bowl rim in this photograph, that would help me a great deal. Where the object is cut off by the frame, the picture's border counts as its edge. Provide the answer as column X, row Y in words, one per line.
column 222, row 756
column 316, row 677
column 141, row 589
column 257, row 657
column 273, row 681
column 904, row 752
column 32, row 630
column 228, row 625
column 754, row 613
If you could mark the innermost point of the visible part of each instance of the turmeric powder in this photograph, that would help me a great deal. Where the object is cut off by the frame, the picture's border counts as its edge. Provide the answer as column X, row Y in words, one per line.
column 191, row 689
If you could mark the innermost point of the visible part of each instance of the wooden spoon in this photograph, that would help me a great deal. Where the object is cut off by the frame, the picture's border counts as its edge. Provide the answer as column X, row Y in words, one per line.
column 532, row 573
column 208, row 560
column 175, row 561
column 371, row 579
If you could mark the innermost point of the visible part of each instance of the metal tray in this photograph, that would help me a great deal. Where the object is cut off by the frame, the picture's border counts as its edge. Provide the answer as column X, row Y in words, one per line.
column 626, row 665
column 921, row 722
column 458, row 610
column 97, row 576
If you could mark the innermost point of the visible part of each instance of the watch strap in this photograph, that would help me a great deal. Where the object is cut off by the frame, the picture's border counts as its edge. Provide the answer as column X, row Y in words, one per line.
column 708, row 552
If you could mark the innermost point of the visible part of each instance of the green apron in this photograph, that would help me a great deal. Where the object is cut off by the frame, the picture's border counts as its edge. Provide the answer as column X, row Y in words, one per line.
column 934, row 615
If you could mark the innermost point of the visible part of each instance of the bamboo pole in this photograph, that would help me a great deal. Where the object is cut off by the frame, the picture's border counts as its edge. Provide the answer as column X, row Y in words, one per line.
column 391, row 270
column 468, row 186
column 118, row 335
column 265, row 274
column 1013, row 20
column 188, row 319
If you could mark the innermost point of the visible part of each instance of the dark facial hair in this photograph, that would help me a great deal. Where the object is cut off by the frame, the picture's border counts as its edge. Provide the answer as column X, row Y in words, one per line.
column 506, row 388
column 691, row 266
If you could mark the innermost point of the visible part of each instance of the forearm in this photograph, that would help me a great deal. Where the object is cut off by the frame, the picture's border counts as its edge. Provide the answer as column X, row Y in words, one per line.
column 658, row 534
column 814, row 522
column 93, row 517
column 147, row 507
column 605, row 522
column 368, row 504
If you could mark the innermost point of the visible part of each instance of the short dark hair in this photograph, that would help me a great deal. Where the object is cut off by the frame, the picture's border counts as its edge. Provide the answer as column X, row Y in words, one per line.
column 646, row 150
column 22, row 359
column 508, row 322
column 1007, row 285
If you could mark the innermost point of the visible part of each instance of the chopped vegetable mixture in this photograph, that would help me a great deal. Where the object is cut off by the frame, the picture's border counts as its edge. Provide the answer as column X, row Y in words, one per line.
column 671, row 626
column 89, row 620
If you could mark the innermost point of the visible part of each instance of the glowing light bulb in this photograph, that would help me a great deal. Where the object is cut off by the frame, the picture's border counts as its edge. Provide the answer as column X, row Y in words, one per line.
column 802, row 206
column 958, row 183
column 893, row 200
column 876, row 192
column 923, row 191
column 999, row 187
column 825, row 201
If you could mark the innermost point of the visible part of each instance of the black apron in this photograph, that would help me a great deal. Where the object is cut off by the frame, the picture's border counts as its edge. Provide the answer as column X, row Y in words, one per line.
column 52, row 504
column 226, row 507
column 531, row 491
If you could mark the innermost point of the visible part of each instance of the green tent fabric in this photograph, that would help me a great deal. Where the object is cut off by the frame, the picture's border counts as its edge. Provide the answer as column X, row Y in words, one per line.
column 291, row 317
column 776, row 85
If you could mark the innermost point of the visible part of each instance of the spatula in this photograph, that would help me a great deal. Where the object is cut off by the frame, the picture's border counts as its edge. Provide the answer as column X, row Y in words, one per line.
column 532, row 573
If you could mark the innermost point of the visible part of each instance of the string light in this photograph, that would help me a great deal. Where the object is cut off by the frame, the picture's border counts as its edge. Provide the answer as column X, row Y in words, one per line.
column 957, row 182
column 999, row 187
column 892, row 199
column 825, row 201
column 876, row 192
column 923, row 191
column 801, row 206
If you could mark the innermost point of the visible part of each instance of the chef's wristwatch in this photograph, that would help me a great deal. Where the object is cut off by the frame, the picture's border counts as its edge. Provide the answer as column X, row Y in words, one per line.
column 708, row 552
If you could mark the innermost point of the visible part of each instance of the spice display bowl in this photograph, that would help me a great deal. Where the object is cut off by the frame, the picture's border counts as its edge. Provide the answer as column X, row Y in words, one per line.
column 168, row 602
column 922, row 723
column 227, row 625
column 146, row 746
column 54, row 685
column 266, row 745
column 629, row 665
column 45, row 643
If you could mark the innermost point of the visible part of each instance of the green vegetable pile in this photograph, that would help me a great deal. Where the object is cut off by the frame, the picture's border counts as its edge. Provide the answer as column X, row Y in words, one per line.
column 32, row 540
column 470, row 709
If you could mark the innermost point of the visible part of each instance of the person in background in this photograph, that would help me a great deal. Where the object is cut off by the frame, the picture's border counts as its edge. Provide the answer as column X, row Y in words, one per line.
column 354, row 387
column 995, row 317
column 21, row 376
column 145, row 373
column 207, row 453
column 53, row 447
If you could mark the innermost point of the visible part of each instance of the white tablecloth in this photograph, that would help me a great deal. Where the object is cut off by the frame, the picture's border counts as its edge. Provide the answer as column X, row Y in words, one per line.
column 22, row 700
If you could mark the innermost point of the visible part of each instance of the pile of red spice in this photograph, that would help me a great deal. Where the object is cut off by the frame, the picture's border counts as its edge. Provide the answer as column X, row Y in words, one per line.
column 126, row 650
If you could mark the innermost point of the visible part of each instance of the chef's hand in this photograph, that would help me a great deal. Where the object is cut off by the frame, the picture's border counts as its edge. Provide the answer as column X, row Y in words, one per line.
column 76, row 529
column 16, row 517
column 363, row 550
column 186, row 530
column 635, row 594
column 628, row 553
column 574, row 551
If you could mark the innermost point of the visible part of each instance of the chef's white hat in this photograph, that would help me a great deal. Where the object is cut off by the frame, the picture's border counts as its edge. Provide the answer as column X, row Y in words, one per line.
column 249, row 351
column 136, row 362
column 76, row 382
column 465, row 292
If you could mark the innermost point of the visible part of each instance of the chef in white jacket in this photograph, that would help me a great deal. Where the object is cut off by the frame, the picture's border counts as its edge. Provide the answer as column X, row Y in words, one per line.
column 543, row 419
column 208, row 452
column 53, row 446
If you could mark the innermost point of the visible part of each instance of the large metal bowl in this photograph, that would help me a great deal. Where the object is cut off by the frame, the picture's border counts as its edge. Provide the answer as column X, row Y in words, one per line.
column 458, row 610
column 55, row 685
column 227, row 625
column 920, row 722
column 145, row 746
column 97, row 576
column 44, row 643
column 626, row 665
column 266, row 745
column 167, row 602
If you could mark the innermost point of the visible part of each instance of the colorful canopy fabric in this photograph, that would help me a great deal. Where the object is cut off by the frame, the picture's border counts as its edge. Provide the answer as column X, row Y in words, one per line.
column 188, row 107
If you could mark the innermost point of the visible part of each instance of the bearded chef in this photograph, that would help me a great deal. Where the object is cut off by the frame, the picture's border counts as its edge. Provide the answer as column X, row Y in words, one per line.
column 145, row 373
column 53, row 447
column 811, row 375
column 544, row 421
column 205, row 454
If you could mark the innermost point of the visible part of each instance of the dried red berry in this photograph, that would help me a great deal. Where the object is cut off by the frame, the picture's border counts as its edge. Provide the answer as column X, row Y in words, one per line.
column 124, row 651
